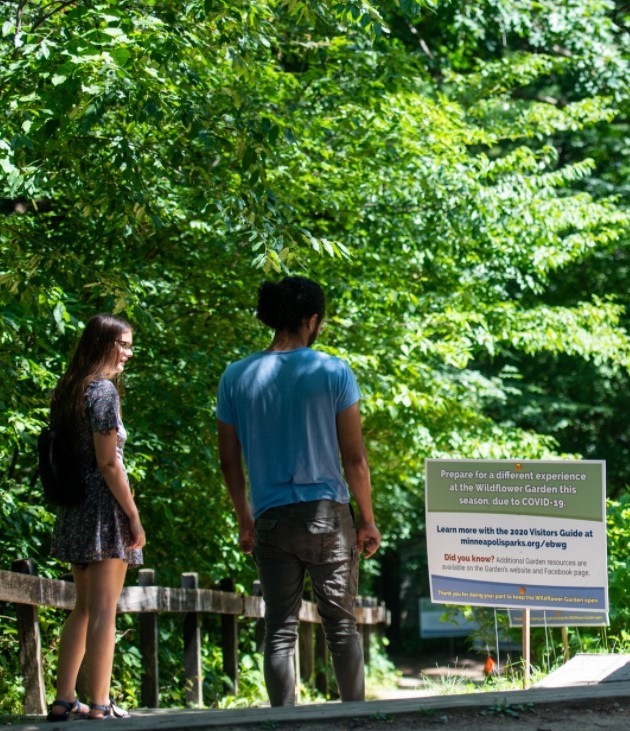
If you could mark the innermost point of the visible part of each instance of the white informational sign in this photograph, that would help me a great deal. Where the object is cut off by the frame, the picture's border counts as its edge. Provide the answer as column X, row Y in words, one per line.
column 559, row 618
column 528, row 534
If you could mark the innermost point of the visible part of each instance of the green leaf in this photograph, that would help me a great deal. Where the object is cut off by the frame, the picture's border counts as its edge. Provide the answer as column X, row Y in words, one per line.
column 121, row 55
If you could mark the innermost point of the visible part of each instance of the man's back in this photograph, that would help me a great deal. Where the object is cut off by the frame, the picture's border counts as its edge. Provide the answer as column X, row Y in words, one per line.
column 283, row 405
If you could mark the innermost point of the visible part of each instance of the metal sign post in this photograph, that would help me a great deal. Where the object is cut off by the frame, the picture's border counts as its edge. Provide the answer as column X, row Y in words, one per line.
column 526, row 650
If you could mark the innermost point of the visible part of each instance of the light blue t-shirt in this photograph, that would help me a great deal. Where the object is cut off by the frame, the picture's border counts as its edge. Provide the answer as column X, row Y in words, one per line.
column 283, row 406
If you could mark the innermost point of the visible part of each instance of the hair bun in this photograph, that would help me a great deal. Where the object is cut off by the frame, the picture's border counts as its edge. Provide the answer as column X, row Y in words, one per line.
column 269, row 304
column 284, row 305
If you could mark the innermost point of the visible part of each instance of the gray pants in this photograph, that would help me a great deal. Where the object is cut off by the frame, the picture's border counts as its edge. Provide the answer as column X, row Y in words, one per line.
column 317, row 537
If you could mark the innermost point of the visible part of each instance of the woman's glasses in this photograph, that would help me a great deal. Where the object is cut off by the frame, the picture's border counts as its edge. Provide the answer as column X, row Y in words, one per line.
column 127, row 347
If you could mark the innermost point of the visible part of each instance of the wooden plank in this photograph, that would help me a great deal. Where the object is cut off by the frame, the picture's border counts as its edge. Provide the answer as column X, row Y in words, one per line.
column 309, row 613
column 253, row 607
column 336, row 715
column 39, row 591
column 259, row 629
column 371, row 615
column 589, row 669
column 168, row 599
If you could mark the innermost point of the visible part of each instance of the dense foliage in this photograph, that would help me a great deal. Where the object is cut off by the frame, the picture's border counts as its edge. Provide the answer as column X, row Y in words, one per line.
column 454, row 173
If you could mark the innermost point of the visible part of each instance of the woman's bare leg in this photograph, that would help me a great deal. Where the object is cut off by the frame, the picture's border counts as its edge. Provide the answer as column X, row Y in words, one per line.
column 105, row 582
column 72, row 643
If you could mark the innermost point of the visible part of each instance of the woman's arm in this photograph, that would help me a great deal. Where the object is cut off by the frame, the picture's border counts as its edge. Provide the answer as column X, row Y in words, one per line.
column 114, row 475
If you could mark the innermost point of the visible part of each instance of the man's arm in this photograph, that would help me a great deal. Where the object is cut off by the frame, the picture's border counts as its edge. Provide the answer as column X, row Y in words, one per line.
column 231, row 461
column 357, row 472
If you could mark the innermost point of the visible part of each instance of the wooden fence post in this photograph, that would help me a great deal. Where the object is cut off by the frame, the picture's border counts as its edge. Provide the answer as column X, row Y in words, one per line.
column 192, row 647
column 150, row 676
column 259, row 631
column 321, row 661
column 30, row 648
column 229, row 642
column 366, row 630
column 307, row 652
column 358, row 603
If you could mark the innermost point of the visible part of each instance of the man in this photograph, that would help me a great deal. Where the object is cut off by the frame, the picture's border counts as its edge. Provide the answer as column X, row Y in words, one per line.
column 291, row 412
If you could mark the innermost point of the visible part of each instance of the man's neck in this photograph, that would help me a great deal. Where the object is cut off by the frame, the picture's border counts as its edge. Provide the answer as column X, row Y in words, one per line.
column 302, row 338
column 288, row 341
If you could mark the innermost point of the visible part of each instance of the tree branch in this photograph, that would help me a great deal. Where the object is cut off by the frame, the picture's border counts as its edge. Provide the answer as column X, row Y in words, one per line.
column 421, row 42
column 44, row 18
column 18, row 22
column 621, row 11
column 13, row 465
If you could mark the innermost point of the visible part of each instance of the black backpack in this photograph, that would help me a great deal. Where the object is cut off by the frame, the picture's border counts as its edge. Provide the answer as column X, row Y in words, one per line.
column 59, row 469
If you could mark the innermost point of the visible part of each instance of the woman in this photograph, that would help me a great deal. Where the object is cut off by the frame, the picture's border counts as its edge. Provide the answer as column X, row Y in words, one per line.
column 101, row 535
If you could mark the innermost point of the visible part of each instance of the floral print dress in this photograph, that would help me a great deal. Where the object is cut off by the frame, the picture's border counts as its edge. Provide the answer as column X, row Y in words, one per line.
column 97, row 527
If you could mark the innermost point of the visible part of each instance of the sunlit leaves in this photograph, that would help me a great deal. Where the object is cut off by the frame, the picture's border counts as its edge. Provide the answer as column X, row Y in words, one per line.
column 159, row 159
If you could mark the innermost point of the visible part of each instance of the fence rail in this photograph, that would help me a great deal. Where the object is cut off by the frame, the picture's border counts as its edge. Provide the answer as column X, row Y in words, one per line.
column 29, row 592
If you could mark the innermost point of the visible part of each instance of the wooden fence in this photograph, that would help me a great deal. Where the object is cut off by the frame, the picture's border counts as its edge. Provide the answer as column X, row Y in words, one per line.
column 28, row 592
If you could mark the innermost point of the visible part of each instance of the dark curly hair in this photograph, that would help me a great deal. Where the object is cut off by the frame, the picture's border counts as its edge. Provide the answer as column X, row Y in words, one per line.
column 285, row 305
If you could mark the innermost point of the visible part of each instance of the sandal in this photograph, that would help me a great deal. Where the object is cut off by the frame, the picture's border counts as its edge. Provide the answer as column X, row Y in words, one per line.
column 107, row 712
column 117, row 711
column 110, row 711
column 75, row 708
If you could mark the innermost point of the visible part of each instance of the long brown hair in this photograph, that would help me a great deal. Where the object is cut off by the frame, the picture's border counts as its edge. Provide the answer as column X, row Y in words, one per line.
column 94, row 352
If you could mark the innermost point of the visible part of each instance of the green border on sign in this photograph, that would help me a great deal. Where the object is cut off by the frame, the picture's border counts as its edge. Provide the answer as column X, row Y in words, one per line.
column 560, row 489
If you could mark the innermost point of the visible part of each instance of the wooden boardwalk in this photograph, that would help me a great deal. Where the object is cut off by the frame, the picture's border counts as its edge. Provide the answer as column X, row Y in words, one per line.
column 335, row 713
column 590, row 669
